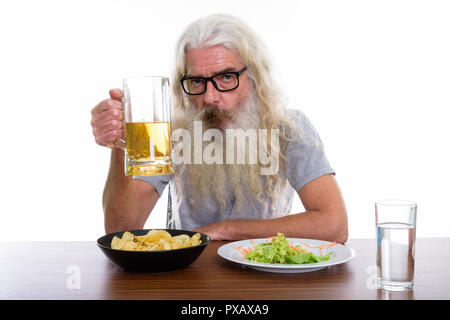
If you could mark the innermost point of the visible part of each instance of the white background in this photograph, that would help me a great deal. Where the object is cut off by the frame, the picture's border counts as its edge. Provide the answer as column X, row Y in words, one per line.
column 373, row 77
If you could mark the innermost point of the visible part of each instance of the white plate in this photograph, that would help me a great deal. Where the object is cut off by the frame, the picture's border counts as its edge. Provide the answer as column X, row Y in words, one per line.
column 340, row 254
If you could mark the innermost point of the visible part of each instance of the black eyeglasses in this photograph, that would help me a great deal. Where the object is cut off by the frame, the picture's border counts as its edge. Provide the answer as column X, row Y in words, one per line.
column 224, row 81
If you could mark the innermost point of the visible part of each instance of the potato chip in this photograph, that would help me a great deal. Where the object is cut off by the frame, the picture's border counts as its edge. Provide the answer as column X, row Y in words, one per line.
column 128, row 245
column 196, row 236
column 155, row 235
column 154, row 240
column 166, row 244
column 127, row 236
column 115, row 243
column 180, row 241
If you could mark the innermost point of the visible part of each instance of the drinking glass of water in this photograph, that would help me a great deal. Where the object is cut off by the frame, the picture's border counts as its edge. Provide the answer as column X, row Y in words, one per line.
column 396, row 238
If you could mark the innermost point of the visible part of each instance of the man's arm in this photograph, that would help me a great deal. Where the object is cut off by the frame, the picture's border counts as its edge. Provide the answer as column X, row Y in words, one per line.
column 325, row 218
column 127, row 203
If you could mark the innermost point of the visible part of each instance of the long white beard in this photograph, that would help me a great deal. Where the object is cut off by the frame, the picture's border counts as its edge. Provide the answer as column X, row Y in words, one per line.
column 216, row 180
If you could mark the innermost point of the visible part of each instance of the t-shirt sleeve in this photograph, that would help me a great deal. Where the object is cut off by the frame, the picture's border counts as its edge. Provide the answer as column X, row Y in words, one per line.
column 305, row 155
column 158, row 181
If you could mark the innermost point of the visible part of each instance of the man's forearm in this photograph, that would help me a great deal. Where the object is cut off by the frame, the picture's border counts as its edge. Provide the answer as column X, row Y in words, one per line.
column 119, row 198
column 310, row 224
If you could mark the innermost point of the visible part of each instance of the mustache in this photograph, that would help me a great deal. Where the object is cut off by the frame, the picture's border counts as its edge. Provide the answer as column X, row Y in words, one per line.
column 212, row 115
column 213, row 112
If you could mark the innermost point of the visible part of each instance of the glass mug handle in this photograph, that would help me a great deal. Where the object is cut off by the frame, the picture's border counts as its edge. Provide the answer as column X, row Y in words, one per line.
column 120, row 143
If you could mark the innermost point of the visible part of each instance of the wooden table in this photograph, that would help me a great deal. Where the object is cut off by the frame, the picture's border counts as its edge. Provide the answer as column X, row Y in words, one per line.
column 80, row 271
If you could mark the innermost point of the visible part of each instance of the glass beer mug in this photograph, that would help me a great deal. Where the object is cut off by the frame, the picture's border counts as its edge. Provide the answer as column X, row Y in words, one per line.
column 147, row 126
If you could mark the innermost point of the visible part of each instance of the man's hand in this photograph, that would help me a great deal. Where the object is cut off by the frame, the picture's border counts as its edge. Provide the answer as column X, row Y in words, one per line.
column 107, row 119
column 216, row 231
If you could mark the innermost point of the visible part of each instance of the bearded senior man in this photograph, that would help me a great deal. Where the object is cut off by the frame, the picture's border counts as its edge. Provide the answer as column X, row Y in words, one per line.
column 223, row 81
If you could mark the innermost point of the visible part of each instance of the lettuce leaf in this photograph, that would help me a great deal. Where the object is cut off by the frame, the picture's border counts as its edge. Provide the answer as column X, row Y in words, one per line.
column 278, row 251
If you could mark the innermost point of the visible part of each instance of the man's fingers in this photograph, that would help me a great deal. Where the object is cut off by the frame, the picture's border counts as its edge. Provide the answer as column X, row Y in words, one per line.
column 107, row 115
column 116, row 94
column 106, row 126
column 107, row 105
column 107, row 139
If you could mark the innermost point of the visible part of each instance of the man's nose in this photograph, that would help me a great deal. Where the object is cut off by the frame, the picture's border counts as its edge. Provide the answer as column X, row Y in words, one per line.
column 211, row 95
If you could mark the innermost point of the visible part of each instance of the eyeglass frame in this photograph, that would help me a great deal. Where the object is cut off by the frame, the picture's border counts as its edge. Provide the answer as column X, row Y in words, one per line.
column 236, row 73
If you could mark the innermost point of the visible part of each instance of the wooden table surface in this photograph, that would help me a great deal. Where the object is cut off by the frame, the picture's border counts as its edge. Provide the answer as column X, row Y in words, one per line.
column 79, row 270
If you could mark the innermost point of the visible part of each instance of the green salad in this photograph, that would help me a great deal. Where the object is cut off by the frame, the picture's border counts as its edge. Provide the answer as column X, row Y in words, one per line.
column 279, row 250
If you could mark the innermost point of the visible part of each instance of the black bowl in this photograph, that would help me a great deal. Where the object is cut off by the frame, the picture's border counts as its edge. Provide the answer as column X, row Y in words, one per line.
column 152, row 261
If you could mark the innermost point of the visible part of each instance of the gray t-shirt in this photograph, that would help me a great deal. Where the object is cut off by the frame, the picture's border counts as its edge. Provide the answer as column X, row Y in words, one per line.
column 305, row 161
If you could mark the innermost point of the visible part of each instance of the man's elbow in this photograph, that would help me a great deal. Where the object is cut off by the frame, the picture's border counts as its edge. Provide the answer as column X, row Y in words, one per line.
column 341, row 231
column 342, row 235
